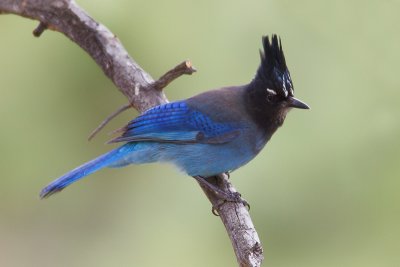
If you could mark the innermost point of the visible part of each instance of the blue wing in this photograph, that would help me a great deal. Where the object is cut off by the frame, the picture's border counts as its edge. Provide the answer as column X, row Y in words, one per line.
column 177, row 123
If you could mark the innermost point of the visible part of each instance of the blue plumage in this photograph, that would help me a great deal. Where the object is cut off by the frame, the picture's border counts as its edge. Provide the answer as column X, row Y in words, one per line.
column 211, row 133
column 175, row 122
column 85, row 169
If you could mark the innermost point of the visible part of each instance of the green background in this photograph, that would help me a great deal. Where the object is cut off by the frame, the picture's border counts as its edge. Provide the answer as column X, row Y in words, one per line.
column 324, row 192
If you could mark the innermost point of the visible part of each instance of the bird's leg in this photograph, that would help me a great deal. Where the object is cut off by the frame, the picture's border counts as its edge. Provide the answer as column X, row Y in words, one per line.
column 236, row 195
column 225, row 196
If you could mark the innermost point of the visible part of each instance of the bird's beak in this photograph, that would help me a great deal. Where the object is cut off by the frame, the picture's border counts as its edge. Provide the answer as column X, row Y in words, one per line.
column 295, row 103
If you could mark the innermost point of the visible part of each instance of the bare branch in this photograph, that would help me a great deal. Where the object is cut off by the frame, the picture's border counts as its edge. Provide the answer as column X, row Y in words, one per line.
column 142, row 91
column 108, row 119
column 39, row 29
column 103, row 46
column 185, row 67
column 238, row 224
column 181, row 69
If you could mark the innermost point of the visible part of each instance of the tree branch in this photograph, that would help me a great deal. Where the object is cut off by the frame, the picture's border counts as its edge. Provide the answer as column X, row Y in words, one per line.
column 108, row 119
column 39, row 29
column 184, row 68
column 142, row 91
column 181, row 69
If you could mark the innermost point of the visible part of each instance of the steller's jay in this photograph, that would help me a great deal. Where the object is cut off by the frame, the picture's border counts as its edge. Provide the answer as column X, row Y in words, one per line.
column 214, row 132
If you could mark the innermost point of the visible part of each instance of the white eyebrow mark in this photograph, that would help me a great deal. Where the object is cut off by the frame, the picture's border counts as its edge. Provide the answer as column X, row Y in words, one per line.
column 271, row 91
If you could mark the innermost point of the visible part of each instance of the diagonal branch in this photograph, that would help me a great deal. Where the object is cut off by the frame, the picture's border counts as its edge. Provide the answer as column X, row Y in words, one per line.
column 142, row 91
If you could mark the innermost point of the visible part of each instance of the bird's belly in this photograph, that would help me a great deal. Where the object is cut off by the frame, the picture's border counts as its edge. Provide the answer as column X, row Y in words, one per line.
column 207, row 159
column 194, row 159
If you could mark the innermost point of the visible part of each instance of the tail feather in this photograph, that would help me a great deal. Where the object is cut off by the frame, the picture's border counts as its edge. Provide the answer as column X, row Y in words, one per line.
column 83, row 170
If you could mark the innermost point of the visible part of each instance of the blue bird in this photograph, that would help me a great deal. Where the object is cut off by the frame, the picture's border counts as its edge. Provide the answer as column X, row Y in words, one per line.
column 214, row 132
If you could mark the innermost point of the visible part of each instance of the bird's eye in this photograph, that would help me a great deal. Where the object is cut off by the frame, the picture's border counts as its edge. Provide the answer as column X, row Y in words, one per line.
column 271, row 98
column 271, row 95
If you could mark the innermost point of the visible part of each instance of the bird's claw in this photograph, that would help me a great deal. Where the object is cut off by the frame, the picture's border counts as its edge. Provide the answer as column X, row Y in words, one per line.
column 235, row 197
column 214, row 210
column 223, row 196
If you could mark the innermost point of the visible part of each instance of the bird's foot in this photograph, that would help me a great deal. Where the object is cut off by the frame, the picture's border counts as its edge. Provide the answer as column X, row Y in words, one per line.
column 235, row 197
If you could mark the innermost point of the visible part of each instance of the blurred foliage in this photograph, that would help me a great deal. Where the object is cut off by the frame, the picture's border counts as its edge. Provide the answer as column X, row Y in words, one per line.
column 324, row 192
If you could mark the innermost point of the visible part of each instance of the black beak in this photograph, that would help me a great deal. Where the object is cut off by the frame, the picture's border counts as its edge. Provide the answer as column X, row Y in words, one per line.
column 295, row 103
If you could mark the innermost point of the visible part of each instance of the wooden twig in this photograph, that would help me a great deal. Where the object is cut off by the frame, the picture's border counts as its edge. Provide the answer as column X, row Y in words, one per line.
column 39, row 29
column 142, row 91
column 108, row 119
column 185, row 67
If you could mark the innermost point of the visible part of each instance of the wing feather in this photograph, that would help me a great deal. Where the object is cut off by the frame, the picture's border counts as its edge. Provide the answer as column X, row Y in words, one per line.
column 177, row 123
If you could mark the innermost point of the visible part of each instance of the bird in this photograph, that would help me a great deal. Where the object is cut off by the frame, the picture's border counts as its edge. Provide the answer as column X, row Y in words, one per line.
column 214, row 132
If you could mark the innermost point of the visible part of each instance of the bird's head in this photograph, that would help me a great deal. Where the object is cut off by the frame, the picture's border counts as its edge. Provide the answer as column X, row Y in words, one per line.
column 271, row 91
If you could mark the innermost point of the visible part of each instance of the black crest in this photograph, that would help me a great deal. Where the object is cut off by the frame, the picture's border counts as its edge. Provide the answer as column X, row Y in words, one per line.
column 273, row 72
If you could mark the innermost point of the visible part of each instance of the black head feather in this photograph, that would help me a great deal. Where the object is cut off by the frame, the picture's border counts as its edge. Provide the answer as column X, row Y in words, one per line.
column 273, row 72
column 269, row 97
